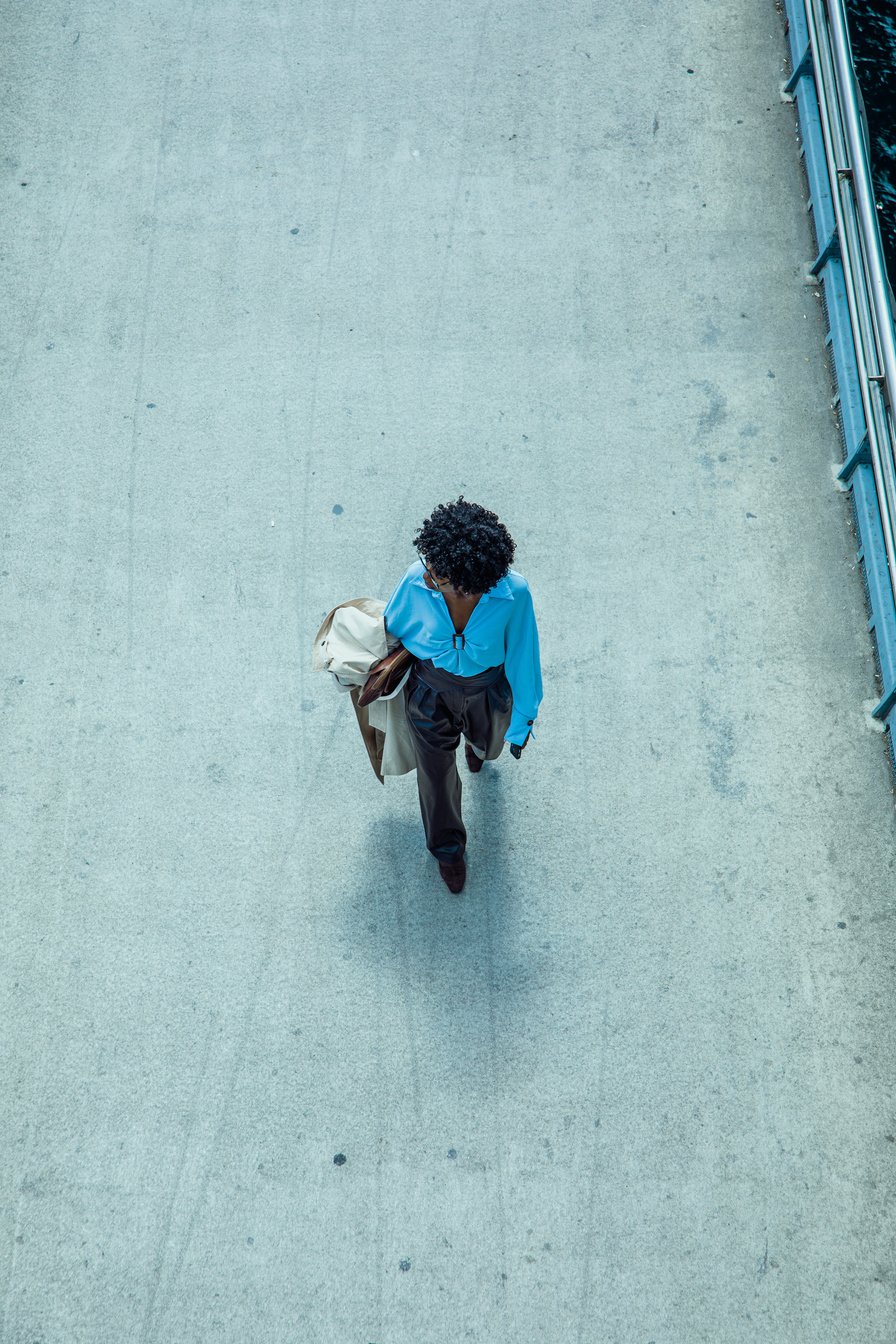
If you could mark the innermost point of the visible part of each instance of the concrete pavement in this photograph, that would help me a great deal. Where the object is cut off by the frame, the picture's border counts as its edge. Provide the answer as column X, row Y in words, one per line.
column 278, row 280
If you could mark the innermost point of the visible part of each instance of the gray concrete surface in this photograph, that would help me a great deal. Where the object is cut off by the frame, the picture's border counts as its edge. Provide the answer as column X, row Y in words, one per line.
column 282, row 278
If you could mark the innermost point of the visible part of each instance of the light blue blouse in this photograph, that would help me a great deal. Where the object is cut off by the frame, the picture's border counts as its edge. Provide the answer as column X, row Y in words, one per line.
column 501, row 629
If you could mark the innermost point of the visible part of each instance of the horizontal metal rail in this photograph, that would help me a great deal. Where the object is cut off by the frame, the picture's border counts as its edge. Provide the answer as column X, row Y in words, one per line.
column 868, row 292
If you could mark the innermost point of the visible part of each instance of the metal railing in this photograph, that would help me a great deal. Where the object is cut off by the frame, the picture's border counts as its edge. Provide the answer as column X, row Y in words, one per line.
column 869, row 296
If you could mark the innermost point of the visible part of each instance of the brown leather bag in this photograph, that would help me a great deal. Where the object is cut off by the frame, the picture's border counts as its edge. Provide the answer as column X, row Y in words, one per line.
column 385, row 675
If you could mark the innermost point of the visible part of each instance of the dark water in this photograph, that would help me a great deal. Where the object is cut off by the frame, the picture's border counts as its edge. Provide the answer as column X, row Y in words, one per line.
column 872, row 33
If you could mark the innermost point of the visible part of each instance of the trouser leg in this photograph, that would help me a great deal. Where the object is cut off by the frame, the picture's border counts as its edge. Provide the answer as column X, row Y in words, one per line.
column 437, row 716
column 436, row 735
column 439, row 789
column 485, row 717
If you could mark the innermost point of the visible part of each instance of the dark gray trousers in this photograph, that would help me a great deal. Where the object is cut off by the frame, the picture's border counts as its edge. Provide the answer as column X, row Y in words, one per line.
column 439, row 707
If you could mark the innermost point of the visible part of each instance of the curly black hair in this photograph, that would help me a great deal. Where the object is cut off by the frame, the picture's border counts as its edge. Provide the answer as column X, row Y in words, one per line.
column 466, row 544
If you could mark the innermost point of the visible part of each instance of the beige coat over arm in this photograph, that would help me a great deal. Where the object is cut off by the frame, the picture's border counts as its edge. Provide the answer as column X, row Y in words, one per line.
column 352, row 638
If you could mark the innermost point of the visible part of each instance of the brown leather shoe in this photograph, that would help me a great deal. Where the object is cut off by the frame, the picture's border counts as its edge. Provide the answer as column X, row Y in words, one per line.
column 454, row 874
column 473, row 761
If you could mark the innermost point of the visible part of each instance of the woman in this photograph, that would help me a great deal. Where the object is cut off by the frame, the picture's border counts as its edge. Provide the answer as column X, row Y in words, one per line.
column 468, row 619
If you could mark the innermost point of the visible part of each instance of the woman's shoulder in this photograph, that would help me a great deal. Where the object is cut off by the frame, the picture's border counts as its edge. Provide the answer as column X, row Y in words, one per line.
column 518, row 583
column 402, row 592
column 413, row 569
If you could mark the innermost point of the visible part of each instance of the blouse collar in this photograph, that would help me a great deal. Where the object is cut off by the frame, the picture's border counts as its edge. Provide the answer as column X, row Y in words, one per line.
column 501, row 589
